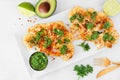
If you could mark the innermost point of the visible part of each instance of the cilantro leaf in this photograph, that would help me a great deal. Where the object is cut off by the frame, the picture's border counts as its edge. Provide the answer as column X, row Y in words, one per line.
column 58, row 32
column 79, row 17
column 66, row 40
column 48, row 41
column 95, row 35
column 93, row 15
column 108, row 37
column 106, row 25
column 63, row 49
column 73, row 17
column 38, row 36
column 89, row 25
column 82, row 70
column 59, row 41
column 85, row 46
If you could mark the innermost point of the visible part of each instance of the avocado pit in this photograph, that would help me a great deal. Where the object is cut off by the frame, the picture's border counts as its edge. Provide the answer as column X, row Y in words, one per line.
column 44, row 7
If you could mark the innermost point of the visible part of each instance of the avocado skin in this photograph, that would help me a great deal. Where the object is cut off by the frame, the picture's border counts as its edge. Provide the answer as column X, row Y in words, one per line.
column 44, row 16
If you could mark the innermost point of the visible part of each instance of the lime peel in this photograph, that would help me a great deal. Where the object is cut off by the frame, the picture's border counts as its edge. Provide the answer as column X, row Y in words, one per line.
column 27, row 9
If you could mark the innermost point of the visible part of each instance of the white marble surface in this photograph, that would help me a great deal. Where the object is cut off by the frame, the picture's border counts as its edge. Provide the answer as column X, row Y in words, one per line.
column 12, row 66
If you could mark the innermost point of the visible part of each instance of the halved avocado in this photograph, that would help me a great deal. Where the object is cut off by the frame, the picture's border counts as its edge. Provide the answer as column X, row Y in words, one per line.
column 45, row 8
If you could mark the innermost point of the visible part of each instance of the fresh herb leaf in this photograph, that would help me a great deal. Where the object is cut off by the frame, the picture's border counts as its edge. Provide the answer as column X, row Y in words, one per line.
column 35, row 40
column 106, row 25
column 88, row 38
column 79, row 17
column 93, row 15
column 66, row 40
column 48, row 41
column 58, row 32
column 39, row 34
column 82, row 70
column 73, row 17
column 89, row 25
column 63, row 49
column 85, row 46
column 95, row 35
column 108, row 37
column 59, row 41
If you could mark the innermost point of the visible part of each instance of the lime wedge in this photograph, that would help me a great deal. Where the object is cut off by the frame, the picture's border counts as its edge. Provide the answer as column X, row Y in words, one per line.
column 27, row 9
column 111, row 7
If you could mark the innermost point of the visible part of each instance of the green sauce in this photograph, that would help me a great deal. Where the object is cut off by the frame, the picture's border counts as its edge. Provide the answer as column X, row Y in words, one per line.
column 38, row 61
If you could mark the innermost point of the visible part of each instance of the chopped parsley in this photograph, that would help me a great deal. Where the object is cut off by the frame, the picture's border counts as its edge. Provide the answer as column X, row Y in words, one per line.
column 106, row 25
column 58, row 32
column 93, row 15
column 85, row 46
column 108, row 37
column 89, row 25
column 63, row 49
column 79, row 17
column 82, row 70
column 66, row 40
column 48, row 41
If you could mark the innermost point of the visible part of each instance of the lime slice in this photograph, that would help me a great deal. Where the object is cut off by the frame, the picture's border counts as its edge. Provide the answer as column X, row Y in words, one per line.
column 27, row 9
column 111, row 7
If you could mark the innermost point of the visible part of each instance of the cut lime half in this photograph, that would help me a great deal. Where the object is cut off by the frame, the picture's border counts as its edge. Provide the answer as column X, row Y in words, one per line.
column 111, row 7
column 27, row 9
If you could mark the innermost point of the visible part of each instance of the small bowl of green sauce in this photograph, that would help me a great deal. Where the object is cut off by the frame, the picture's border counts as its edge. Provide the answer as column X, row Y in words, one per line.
column 38, row 61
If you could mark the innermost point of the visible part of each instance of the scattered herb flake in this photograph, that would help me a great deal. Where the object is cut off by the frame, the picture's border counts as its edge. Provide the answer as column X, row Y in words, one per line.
column 108, row 37
column 48, row 41
column 66, row 40
column 85, row 46
column 89, row 25
column 59, row 41
column 95, row 35
column 79, row 17
column 39, row 34
column 106, row 25
column 93, row 15
column 73, row 18
column 63, row 49
column 58, row 32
